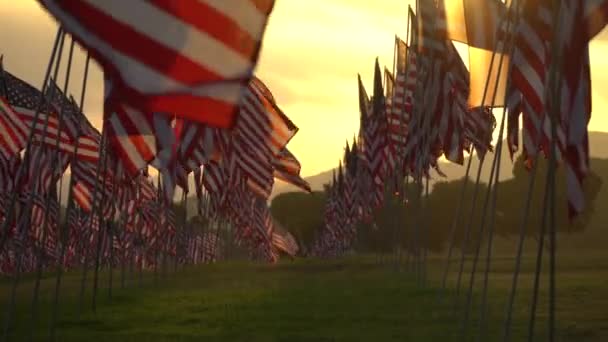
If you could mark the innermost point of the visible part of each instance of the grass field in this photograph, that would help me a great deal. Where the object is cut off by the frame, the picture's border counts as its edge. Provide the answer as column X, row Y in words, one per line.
column 350, row 299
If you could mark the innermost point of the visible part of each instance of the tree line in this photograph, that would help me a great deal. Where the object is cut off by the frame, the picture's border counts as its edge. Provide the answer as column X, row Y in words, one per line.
column 302, row 214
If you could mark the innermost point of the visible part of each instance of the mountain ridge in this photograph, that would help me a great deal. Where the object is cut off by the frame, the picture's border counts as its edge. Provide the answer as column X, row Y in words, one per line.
column 598, row 148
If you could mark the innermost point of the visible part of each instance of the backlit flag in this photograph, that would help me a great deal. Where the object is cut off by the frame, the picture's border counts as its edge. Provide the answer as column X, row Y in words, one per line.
column 191, row 58
column 596, row 16
column 476, row 23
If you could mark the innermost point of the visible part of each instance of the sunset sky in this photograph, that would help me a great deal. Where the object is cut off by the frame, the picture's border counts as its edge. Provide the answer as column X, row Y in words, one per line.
column 312, row 53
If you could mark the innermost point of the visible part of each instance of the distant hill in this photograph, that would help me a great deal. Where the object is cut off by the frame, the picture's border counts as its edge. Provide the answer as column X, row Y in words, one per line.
column 598, row 146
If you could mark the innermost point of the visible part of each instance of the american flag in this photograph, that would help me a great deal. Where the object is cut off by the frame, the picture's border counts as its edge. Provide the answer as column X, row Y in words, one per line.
column 287, row 168
column 27, row 101
column 190, row 58
column 13, row 131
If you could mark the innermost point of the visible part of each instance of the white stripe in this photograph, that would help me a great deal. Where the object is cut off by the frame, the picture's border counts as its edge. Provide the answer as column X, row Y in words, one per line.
column 576, row 197
column 248, row 17
column 125, row 142
column 140, row 77
column 176, row 35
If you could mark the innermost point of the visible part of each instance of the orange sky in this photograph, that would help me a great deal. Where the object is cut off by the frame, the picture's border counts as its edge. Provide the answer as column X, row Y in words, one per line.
column 312, row 53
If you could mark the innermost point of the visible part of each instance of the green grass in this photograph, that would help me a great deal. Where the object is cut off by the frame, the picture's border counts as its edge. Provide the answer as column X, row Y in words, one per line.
column 350, row 299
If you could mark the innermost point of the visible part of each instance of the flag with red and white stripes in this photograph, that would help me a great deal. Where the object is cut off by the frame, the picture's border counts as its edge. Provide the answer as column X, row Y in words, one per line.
column 189, row 58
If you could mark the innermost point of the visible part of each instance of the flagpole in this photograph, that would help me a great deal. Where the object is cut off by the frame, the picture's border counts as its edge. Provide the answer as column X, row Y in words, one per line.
column 557, row 81
column 140, row 231
column 111, row 234
column 103, row 224
column 492, row 184
column 101, row 163
column 56, row 52
column 498, row 156
column 101, row 235
column 59, row 39
column 184, row 227
column 122, row 222
column 520, row 245
column 426, row 239
column 123, row 263
column 56, row 162
column 159, row 196
column 404, row 127
column 539, row 257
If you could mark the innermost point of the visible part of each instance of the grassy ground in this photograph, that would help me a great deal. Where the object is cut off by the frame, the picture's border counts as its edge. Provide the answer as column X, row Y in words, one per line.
column 353, row 299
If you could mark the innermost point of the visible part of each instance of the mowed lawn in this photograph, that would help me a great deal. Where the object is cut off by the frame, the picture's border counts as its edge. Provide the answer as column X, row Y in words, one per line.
column 350, row 299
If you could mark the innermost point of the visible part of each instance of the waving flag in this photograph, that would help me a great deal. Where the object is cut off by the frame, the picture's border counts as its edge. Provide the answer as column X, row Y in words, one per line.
column 192, row 58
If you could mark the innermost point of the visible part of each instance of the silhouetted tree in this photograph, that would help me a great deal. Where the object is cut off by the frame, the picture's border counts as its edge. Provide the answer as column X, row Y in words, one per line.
column 302, row 214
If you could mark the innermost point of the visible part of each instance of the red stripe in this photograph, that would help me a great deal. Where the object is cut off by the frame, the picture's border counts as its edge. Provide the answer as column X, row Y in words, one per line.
column 136, row 45
column 12, row 137
column 213, row 112
column 213, row 23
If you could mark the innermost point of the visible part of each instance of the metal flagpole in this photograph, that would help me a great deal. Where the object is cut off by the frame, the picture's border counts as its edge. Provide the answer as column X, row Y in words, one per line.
column 467, row 232
column 555, row 80
column 104, row 225
column 101, row 164
column 493, row 181
column 55, row 165
column 520, row 246
column 498, row 156
column 101, row 235
column 455, row 223
column 121, row 226
column 458, row 215
column 140, row 234
column 111, row 234
column 10, row 212
column 184, row 227
column 425, row 244
column 159, row 195
column 539, row 257
column 27, row 157
column 555, row 88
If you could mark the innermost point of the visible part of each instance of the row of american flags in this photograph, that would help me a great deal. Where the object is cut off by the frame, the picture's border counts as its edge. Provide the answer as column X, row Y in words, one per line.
column 430, row 105
column 180, row 97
